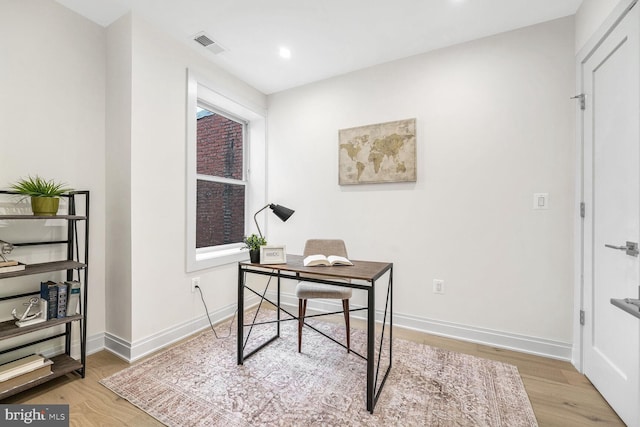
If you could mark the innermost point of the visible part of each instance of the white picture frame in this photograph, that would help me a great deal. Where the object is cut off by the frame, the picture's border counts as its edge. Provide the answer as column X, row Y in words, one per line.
column 273, row 254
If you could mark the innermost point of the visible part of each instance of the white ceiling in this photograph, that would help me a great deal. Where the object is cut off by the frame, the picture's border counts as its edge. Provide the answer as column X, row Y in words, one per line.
column 326, row 37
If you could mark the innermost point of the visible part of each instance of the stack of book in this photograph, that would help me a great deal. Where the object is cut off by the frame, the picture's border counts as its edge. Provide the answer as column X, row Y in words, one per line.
column 62, row 298
column 7, row 266
column 23, row 371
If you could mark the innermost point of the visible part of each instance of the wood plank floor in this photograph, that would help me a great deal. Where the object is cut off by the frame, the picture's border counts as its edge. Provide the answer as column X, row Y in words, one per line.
column 560, row 396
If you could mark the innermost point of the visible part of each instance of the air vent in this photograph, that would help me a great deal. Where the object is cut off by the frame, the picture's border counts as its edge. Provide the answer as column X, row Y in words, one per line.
column 206, row 41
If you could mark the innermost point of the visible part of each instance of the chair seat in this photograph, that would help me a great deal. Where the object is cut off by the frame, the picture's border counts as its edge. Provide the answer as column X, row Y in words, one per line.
column 309, row 290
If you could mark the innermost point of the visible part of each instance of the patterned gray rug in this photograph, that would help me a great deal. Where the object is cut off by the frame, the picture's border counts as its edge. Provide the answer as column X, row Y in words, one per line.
column 197, row 383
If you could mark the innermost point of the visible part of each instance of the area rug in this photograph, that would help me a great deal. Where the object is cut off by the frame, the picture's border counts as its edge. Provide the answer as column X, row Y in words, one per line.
column 198, row 383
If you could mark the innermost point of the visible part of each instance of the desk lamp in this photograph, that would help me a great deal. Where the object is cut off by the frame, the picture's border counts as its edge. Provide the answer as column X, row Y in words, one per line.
column 281, row 212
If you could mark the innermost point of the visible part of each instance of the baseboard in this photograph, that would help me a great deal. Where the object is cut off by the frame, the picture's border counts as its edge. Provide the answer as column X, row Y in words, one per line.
column 133, row 351
column 95, row 343
column 500, row 339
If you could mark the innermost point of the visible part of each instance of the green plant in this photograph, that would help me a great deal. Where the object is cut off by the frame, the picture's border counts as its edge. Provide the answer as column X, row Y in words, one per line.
column 39, row 187
column 254, row 242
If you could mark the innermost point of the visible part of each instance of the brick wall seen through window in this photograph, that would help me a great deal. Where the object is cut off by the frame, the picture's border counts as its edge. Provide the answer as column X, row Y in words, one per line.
column 220, row 205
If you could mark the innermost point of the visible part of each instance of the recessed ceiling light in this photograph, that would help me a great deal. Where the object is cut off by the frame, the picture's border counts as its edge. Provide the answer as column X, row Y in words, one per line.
column 285, row 52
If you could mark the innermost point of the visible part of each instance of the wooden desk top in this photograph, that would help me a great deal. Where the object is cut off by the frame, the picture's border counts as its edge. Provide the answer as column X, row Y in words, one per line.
column 360, row 270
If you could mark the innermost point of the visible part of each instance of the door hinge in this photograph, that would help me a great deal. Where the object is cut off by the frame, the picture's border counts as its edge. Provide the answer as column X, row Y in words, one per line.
column 582, row 209
column 582, row 317
column 581, row 97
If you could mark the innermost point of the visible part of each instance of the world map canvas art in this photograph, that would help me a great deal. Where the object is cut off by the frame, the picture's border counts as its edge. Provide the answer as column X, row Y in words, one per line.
column 384, row 152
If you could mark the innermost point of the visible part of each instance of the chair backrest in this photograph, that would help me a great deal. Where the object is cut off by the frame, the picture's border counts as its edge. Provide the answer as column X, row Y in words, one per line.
column 325, row 247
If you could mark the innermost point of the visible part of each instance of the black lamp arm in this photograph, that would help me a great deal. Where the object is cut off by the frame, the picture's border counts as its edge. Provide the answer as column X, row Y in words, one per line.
column 256, row 219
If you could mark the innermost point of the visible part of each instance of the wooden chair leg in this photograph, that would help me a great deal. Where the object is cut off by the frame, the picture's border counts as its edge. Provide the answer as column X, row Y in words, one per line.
column 345, row 308
column 302, row 308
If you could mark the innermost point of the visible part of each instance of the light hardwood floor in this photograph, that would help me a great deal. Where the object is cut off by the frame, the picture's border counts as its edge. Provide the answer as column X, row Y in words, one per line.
column 560, row 396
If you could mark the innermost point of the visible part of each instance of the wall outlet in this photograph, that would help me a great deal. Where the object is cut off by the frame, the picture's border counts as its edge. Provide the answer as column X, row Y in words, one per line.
column 438, row 286
column 195, row 281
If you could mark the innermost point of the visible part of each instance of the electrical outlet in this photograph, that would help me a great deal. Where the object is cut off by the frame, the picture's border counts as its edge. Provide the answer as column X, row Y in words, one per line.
column 438, row 286
column 195, row 282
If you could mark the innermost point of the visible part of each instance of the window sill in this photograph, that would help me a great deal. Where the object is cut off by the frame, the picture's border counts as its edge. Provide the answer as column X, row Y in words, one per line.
column 217, row 258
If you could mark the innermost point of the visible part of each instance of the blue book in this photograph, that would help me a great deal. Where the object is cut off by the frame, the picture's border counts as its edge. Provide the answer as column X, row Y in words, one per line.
column 49, row 293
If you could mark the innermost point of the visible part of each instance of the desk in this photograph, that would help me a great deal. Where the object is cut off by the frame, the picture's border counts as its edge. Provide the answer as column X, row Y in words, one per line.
column 363, row 271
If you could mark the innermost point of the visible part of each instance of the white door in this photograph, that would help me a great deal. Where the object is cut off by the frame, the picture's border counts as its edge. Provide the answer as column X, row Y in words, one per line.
column 611, row 173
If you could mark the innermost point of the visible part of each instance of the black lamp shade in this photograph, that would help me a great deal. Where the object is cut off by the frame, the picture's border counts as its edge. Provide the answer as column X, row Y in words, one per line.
column 281, row 212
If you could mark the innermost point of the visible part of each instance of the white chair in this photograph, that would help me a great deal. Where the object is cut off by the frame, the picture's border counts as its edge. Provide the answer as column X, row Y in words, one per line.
column 311, row 290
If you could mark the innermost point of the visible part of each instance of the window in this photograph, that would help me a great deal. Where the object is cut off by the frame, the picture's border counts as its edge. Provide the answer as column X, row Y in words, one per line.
column 225, row 174
column 221, row 184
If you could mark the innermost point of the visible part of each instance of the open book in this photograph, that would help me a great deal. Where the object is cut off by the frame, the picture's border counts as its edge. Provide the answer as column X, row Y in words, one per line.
column 313, row 260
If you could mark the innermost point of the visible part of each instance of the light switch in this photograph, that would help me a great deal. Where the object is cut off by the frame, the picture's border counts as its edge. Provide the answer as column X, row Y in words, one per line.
column 540, row 200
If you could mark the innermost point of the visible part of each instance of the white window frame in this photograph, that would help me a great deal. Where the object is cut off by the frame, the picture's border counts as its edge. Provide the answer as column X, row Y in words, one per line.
column 199, row 91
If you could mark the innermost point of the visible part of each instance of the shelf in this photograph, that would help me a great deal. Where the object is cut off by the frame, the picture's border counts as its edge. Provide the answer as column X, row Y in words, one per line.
column 71, row 217
column 64, row 329
column 45, row 267
column 8, row 329
column 62, row 365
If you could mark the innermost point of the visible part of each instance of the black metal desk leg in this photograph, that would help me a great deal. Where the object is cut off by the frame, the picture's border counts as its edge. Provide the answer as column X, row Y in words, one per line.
column 390, row 317
column 240, row 336
column 371, row 344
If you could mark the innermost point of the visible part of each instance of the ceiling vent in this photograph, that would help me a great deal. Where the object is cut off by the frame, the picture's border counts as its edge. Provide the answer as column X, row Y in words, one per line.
column 203, row 39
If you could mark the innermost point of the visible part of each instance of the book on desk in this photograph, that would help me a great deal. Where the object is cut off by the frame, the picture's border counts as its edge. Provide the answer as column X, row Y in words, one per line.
column 321, row 260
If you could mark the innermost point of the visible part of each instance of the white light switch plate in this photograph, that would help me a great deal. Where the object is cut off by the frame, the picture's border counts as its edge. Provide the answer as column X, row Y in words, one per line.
column 540, row 200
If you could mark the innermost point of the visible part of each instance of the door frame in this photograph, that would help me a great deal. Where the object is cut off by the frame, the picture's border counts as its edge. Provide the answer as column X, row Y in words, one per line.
column 618, row 13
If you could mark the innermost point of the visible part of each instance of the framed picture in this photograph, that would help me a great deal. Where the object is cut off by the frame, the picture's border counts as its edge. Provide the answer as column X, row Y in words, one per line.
column 379, row 153
column 273, row 254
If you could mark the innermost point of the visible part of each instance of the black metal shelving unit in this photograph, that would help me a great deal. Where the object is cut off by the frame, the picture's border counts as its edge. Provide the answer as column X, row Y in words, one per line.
column 77, row 257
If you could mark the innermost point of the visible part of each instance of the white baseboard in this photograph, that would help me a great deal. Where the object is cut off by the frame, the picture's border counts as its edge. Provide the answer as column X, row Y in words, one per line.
column 136, row 350
column 522, row 343
column 95, row 343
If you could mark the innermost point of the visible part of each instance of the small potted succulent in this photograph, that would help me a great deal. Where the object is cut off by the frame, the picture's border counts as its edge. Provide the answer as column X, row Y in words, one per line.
column 253, row 243
column 45, row 194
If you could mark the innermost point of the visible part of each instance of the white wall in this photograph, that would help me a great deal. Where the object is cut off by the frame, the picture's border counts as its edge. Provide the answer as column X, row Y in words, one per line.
column 52, row 115
column 162, row 305
column 118, row 178
column 495, row 125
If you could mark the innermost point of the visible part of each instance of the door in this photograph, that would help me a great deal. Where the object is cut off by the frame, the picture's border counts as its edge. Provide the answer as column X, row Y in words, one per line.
column 611, row 174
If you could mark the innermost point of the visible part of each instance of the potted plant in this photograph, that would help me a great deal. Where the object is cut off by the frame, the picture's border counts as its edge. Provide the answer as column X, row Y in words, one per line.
column 45, row 194
column 253, row 243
